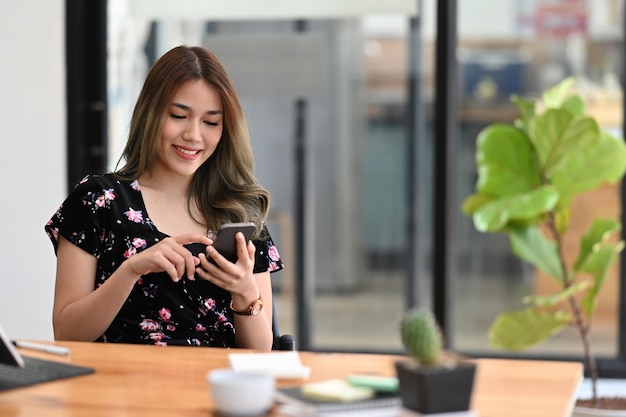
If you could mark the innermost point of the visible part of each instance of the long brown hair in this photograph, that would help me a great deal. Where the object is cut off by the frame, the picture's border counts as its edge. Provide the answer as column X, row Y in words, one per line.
column 224, row 187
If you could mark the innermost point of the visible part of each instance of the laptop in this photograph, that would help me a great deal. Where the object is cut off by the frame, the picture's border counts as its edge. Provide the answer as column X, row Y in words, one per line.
column 18, row 371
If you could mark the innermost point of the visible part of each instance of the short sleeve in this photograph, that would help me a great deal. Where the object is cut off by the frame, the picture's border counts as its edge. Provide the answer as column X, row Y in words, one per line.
column 266, row 257
column 80, row 217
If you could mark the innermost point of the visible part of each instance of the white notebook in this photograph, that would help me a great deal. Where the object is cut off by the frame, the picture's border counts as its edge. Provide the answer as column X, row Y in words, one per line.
column 282, row 365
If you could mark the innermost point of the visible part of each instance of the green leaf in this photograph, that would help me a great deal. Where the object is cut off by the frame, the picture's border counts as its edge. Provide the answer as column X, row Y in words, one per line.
column 474, row 202
column 555, row 96
column 505, row 161
column 522, row 329
column 575, row 105
column 598, row 264
column 603, row 161
column 531, row 245
column 600, row 230
column 526, row 109
column 554, row 299
column 559, row 136
column 562, row 218
column 497, row 214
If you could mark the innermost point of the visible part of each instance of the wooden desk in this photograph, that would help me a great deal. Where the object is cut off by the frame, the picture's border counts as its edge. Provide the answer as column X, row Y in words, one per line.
column 133, row 380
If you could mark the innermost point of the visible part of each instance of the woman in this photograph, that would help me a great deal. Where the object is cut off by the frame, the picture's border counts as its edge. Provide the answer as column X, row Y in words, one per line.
column 125, row 267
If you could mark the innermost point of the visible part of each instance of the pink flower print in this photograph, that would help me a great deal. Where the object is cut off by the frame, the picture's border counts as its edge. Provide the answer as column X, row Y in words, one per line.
column 100, row 202
column 134, row 215
column 165, row 314
column 55, row 233
column 84, row 180
column 149, row 325
column 200, row 327
column 221, row 318
column 170, row 327
column 109, row 195
column 130, row 252
column 160, row 343
column 209, row 303
column 157, row 336
column 135, row 185
column 273, row 254
column 139, row 242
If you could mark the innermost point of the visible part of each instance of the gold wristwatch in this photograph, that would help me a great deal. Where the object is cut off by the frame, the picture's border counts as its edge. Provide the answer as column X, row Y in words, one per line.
column 253, row 309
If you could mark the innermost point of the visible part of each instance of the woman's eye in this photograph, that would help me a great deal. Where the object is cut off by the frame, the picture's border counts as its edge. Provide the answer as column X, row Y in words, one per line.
column 212, row 123
column 177, row 116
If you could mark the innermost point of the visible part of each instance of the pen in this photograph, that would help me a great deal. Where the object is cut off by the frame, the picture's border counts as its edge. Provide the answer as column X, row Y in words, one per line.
column 55, row 350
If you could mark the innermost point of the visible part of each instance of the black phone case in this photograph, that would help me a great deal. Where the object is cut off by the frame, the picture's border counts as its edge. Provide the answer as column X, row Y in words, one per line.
column 225, row 242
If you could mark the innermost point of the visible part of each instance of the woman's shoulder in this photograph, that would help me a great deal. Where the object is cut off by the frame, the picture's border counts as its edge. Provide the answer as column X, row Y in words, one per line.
column 97, row 182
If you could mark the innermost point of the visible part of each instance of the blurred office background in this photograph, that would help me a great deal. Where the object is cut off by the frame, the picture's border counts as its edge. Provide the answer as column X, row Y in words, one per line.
column 340, row 101
column 347, row 153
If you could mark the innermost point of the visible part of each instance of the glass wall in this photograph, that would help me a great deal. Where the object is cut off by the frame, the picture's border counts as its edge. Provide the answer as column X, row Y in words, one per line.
column 333, row 113
column 527, row 47
column 325, row 92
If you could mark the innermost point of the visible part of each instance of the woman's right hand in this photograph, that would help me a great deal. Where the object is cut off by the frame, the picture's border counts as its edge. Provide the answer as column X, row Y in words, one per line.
column 170, row 256
column 80, row 313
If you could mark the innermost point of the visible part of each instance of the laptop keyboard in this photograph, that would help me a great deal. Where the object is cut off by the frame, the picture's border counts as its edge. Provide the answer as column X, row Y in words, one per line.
column 36, row 371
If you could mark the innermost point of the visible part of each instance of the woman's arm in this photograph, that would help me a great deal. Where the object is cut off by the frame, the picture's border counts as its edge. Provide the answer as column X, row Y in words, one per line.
column 82, row 313
column 79, row 312
column 255, row 332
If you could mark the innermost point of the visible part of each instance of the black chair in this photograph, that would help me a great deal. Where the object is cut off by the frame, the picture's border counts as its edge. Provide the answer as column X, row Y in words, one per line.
column 281, row 342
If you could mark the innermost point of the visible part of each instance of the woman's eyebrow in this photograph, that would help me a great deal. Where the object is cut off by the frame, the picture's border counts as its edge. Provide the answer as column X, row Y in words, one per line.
column 187, row 108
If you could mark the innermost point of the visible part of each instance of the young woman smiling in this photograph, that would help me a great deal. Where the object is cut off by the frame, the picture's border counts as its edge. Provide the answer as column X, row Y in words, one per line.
column 128, row 267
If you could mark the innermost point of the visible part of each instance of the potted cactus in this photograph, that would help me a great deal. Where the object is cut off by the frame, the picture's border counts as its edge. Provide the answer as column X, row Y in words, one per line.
column 433, row 380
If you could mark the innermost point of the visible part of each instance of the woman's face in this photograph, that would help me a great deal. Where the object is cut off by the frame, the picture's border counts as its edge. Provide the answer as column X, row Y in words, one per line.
column 192, row 128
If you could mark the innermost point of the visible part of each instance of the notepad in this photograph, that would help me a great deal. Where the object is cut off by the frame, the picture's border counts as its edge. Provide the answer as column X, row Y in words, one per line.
column 292, row 401
column 282, row 365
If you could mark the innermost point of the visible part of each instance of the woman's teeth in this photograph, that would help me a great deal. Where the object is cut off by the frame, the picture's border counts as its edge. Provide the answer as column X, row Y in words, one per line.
column 186, row 151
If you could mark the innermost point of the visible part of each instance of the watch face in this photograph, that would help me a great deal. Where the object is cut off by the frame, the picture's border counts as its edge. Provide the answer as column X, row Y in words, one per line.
column 256, row 308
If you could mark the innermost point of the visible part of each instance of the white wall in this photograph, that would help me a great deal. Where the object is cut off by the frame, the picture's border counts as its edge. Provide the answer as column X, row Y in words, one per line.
column 32, row 160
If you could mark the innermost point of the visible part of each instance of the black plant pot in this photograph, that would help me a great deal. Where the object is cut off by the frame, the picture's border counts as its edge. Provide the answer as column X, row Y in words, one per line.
column 435, row 389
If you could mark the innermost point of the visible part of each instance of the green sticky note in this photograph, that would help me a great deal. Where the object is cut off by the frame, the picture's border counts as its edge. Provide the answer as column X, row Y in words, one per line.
column 375, row 382
column 336, row 390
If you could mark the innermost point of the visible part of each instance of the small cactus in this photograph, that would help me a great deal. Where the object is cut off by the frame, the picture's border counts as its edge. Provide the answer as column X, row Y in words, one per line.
column 421, row 336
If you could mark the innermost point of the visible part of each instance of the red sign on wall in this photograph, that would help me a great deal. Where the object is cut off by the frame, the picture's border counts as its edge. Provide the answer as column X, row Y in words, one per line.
column 555, row 18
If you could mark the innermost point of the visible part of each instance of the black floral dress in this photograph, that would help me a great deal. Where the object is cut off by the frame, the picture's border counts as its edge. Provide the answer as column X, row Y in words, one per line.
column 106, row 217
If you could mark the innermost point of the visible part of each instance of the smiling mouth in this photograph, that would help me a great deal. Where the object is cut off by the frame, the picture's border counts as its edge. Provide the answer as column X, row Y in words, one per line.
column 186, row 151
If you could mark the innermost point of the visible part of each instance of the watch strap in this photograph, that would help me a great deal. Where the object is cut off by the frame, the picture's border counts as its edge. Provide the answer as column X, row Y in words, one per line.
column 253, row 308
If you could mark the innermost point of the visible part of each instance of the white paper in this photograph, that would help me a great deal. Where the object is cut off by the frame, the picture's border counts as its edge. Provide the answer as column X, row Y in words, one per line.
column 282, row 365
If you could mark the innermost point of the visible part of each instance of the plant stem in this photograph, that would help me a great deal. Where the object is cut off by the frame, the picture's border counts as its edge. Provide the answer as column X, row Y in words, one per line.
column 584, row 328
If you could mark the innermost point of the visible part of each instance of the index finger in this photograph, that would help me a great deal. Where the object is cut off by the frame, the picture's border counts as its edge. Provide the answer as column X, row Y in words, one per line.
column 192, row 238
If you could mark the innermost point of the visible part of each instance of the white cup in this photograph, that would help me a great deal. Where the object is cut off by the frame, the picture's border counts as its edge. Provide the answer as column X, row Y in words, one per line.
column 241, row 394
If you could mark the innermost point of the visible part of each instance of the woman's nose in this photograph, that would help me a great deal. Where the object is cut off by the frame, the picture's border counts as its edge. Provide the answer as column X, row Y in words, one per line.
column 192, row 132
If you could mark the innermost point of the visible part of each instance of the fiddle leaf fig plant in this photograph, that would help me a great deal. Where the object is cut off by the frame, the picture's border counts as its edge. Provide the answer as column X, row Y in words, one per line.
column 529, row 172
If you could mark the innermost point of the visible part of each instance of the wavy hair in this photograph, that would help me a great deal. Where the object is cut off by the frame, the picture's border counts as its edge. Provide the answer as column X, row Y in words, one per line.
column 224, row 187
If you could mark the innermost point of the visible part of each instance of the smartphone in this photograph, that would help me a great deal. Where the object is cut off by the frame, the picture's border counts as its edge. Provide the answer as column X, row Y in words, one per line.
column 225, row 242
